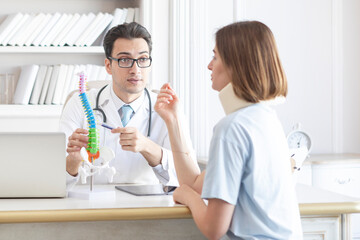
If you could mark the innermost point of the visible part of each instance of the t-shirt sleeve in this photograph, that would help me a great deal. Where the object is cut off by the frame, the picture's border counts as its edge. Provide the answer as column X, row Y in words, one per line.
column 223, row 171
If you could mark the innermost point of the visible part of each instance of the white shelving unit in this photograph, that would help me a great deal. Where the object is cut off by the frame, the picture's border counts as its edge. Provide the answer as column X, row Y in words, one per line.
column 71, row 50
column 46, row 117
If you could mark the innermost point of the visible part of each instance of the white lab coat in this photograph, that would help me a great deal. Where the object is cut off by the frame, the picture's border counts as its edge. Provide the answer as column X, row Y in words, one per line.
column 130, row 167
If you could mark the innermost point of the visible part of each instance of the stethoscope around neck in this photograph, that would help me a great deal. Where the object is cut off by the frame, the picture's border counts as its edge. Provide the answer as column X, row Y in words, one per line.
column 97, row 108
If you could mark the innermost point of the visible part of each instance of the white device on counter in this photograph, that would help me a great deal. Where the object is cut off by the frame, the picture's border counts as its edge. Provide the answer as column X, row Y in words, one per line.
column 297, row 138
column 300, row 144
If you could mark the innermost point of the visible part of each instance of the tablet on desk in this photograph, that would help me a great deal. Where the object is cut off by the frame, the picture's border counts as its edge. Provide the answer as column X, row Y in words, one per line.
column 147, row 190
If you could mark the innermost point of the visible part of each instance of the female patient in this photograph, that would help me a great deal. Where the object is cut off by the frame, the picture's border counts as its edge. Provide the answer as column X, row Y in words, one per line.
column 247, row 181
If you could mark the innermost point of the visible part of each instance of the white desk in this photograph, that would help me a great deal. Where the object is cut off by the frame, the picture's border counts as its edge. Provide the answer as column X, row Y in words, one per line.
column 123, row 207
column 125, row 217
column 132, row 217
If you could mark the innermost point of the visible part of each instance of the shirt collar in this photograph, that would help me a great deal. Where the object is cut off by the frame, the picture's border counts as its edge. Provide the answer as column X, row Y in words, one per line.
column 135, row 105
column 231, row 103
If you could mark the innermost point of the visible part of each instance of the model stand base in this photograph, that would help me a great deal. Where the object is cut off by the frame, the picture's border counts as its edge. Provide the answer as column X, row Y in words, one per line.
column 95, row 194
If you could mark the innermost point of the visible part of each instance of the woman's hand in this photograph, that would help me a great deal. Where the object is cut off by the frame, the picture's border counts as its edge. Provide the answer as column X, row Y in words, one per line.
column 167, row 104
column 183, row 194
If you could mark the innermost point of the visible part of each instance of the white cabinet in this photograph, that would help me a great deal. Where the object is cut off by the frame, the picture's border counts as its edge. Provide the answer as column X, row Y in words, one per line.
column 341, row 178
column 338, row 173
column 324, row 228
column 45, row 118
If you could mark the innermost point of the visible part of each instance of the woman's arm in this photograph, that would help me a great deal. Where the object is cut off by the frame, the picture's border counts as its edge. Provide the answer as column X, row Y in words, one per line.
column 167, row 106
column 213, row 219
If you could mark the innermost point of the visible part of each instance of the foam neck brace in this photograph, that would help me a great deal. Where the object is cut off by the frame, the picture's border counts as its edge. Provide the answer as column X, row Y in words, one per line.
column 229, row 101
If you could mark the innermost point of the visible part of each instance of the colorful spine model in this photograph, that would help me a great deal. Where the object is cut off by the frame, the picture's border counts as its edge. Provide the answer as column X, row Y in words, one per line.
column 93, row 145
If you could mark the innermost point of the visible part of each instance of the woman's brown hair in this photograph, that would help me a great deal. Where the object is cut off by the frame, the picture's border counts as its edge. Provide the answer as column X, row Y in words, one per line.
column 249, row 51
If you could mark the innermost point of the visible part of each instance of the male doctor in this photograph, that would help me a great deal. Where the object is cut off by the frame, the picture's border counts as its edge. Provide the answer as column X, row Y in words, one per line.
column 138, row 158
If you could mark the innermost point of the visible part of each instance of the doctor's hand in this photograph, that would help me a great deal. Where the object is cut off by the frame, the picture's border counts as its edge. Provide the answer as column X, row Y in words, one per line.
column 167, row 104
column 76, row 141
column 132, row 140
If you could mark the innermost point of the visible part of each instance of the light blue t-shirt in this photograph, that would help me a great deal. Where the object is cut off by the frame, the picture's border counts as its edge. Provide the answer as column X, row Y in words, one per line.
column 249, row 167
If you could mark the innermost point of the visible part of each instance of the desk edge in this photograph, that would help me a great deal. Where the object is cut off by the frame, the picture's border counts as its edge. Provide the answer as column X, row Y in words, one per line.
column 329, row 208
column 111, row 214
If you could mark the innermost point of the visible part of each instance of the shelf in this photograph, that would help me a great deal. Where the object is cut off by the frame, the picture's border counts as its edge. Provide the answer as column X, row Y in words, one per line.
column 91, row 50
column 11, row 110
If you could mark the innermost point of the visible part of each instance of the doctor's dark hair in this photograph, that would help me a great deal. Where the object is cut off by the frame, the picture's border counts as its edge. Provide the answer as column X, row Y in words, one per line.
column 249, row 51
column 128, row 31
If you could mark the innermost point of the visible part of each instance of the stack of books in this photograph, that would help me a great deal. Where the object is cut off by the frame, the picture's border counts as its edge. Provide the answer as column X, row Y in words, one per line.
column 61, row 29
column 42, row 84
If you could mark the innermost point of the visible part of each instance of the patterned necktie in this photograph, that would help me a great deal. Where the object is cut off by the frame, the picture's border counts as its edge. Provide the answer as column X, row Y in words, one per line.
column 126, row 112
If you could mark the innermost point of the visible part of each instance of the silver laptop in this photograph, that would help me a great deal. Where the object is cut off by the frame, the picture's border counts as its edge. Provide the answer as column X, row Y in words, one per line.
column 32, row 165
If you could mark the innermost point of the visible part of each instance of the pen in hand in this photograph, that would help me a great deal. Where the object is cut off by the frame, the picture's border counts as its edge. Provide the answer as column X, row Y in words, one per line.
column 106, row 126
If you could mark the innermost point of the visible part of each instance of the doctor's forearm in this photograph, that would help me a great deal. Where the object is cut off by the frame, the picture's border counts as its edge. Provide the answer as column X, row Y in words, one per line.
column 152, row 153
column 72, row 166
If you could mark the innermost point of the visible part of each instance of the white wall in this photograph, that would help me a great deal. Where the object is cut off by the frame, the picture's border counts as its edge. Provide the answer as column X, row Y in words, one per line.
column 318, row 46
column 351, row 75
column 219, row 15
column 303, row 31
column 193, row 24
column 157, row 23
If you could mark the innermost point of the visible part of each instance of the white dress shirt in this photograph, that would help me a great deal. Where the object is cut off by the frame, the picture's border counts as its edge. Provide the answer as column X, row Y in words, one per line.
column 130, row 167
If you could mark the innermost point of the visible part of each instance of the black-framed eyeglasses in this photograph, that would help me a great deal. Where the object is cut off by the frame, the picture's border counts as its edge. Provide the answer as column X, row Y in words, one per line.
column 129, row 62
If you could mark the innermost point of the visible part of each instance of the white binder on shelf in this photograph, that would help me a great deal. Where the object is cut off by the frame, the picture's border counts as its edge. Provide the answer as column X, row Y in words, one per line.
column 118, row 13
column 130, row 15
column 63, row 20
column 117, row 19
column 14, row 30
column 52, row 85
column 68, row 78
column 39, row 81
column 74, row 83
column 124, row 15
column 105, row 21
column 137, row 15
column 46, row 84
column 82, row 38
column 78, row 30
column 35, row 22
column 9, row 24
column 60, row 84
column 11, row 41
column 44, row 32
column 75, row 29
column 38, row 29
column 25, row 84
column 74, row 19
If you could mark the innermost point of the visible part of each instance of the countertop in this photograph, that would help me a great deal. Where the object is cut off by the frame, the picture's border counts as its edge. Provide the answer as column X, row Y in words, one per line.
column 124, row 206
